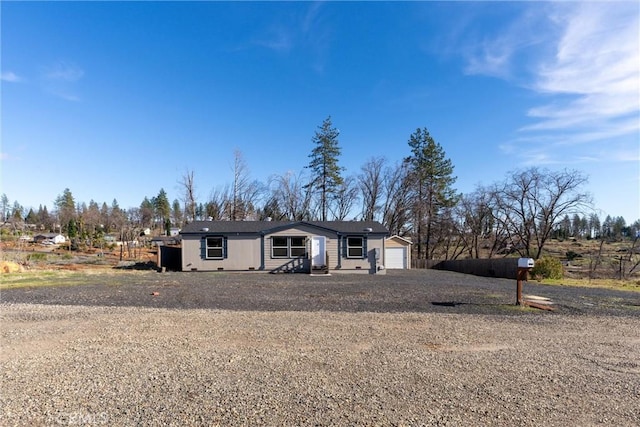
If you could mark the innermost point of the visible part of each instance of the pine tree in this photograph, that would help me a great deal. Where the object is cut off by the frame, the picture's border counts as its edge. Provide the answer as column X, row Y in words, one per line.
column 66, row 209
column 324, row 165
column 163, row 208
column 431, row 177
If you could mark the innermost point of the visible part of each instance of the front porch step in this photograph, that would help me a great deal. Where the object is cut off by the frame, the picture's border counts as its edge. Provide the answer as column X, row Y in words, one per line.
column 319, row 270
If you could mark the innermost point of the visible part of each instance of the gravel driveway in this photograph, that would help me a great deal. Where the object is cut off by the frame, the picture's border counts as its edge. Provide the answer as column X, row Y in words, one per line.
column 409, row 348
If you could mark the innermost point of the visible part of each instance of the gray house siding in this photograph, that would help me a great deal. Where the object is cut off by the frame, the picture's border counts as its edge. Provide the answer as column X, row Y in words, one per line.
column 280, row 264
column 249, row 246
column 243, row 253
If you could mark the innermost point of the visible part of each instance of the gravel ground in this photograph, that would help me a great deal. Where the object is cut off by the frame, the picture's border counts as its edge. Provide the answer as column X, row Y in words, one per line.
column 409, row 348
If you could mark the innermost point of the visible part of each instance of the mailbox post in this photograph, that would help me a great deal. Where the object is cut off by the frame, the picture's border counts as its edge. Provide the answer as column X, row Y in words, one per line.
column 524, row 265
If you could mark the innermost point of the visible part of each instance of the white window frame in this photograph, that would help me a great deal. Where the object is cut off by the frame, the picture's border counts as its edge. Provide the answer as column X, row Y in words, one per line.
column 350, row 246
column 290, row 247
column 297, row 248
column 208, row 247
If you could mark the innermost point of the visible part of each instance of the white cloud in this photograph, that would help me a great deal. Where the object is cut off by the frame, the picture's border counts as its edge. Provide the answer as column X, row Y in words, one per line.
column 63, row 71
column 499, row 54
column 60, row 79
column 583, row 60
column 494, row 58
column 11, row 77
column 279, row 39
column 307, row 31
column 597, row 63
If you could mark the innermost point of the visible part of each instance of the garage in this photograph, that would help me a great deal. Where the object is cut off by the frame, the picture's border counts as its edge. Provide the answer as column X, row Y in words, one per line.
column 397, row 253
column 396, row 258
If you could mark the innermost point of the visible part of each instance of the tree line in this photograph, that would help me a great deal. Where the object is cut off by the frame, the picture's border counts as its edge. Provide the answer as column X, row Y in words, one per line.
column 414, row 198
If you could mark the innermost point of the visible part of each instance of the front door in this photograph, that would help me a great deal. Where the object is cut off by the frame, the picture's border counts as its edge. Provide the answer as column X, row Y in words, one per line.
column 318, row 248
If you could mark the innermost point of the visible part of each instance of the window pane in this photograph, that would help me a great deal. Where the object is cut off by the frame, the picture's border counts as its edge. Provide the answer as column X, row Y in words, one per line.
column 280, row 252
column 297, row 241
column 298, row 252
column 215, row 242
column 214, row 253
column 280, row 241
column 354, row 241
column 354, row 252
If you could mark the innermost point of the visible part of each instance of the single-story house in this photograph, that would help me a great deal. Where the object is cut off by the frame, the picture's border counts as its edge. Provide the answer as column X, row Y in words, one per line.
column 284, row 246
column 397, row 253
column 56, row 238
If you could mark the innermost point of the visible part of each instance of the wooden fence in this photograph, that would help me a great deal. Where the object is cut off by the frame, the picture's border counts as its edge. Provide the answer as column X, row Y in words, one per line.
column 494, row 267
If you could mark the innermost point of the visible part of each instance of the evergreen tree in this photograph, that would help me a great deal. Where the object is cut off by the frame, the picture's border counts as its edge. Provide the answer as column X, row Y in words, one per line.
column 324, row 165
column 146, row 212
column 66, row 209
column 594, row 225
column 44, row 220
column 163, row 208
column 105, row 218
column 72, row 229
column 31, row 218
column 177, row 213
column 431, row 178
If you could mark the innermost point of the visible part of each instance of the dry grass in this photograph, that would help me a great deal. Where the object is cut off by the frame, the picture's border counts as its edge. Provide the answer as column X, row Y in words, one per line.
column 57, row 277
column 624, row 285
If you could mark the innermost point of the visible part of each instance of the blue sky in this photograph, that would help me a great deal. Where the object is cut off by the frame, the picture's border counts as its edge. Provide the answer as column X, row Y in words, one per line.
column 118, row 100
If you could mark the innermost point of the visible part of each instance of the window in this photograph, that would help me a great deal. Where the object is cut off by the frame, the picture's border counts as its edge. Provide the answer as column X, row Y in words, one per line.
column 288, row 247
column 280, row 247
column 215, row 247
column 298, row 246
column 355, row 247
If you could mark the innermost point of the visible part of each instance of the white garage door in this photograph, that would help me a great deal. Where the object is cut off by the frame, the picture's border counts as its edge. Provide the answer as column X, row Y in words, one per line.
column 395, row 258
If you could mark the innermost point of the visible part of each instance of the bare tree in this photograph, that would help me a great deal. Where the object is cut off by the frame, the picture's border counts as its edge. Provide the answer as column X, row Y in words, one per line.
column 447, row 241
column 245, row 193
column 214, row 208
column 634, row 257
column 294, row 198
column 189, row 195
column 344, row 198
column 475, row 221
column 396, row 195
column 370, row 182
column 532, row 201
column 4, row 207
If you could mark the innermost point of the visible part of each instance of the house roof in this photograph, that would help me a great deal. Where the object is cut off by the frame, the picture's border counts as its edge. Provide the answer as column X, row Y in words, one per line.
column 47, row 235
column 400, row 239
column 266, row 227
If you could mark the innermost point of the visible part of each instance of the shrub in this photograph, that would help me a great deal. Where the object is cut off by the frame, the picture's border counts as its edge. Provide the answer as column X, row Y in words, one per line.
column 547, row 268
column 37, row 256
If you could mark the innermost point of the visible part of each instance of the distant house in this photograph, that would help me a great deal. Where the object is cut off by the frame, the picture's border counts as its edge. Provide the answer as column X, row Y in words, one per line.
column 56, row 238
column 284, row 246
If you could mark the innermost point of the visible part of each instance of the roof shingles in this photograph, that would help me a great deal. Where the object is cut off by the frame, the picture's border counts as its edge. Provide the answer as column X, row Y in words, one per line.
column 266, row 227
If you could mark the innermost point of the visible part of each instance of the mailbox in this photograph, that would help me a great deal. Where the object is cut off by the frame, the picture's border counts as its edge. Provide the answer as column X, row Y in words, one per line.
column 526, row 262
column 524, row 265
